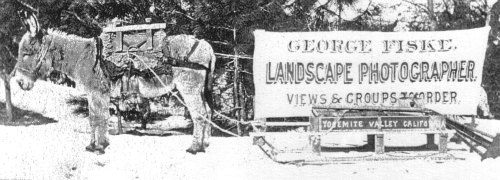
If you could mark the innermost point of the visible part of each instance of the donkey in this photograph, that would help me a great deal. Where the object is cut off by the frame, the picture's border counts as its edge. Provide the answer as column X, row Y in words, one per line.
column 43, row 51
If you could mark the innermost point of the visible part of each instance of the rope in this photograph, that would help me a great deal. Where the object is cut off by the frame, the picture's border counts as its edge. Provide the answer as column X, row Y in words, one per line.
column 183, row 103
column 231, row 119
column 335, row 122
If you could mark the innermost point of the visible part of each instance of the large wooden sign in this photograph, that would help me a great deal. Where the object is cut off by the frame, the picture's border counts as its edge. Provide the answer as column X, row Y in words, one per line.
column 294, row 71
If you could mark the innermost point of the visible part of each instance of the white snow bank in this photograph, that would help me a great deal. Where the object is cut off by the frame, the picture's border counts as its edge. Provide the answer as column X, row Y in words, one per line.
column 56, row 151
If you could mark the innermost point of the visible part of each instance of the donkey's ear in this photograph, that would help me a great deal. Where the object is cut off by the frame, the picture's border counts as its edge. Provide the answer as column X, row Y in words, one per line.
column 30, row 21
column 23, row 16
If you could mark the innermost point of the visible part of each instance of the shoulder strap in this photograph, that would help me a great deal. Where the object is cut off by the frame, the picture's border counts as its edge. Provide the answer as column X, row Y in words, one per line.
column 193, row 49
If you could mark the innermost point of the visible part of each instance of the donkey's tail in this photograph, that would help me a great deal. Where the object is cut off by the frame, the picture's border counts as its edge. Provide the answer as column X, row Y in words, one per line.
column 211, row 73
column 210, row 78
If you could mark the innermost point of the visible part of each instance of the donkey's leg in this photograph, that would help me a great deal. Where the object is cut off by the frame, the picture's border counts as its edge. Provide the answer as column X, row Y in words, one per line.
column 207, row 132
column 208, row 127
column 190, row 84
column 145, row 117
column 145, row 110
column 199, row 114
column 200, row 125
column 99, row 114
column 93, row 126
column 102, row 138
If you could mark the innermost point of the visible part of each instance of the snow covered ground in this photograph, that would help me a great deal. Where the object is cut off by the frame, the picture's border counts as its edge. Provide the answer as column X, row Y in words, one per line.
column 56, row 151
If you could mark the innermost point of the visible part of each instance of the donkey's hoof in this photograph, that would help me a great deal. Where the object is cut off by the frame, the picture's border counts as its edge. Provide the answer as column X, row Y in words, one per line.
column 90, row 148
column 113, row 132
column 99, row 151
column 195, row 150
column 104, row 144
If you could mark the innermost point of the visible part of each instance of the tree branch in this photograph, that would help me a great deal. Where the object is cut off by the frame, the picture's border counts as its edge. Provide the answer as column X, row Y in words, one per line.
column 76, row 16
column 220, row 42
column 268, row 4
column 423, row 7
column 220, row 27
column 229, row 56
column 10, row 52
column 185, row 15
column 28, row 6
column 242, row 71
column 3, row 76
column 446, row 7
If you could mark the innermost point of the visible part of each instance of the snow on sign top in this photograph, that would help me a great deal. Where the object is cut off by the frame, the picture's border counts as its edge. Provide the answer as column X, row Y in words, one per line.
column 294, row 71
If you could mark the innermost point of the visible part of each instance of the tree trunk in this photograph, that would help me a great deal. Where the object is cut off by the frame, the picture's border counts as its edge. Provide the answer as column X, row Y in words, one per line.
column 430, row 6
column 8, row 101
column 236, row 95
column 236, row 80
column 243, row 110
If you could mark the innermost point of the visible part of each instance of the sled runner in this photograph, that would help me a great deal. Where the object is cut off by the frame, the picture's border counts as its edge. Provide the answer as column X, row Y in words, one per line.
column 373, row 122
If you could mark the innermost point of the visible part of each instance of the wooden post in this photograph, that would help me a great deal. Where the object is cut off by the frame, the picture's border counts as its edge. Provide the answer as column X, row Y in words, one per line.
column 236, row 92
column 119, row 41
column 370, row 141
column 119, row 115
column 149, row 39
column 261, row 127
column 315, row 143
column 314, row 124
column 315, row 139
column 443, row 142
column 379, row 144
column 430, row 141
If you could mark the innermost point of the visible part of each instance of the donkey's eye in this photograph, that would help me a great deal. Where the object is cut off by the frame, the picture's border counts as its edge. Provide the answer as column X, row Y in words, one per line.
column 27, row 51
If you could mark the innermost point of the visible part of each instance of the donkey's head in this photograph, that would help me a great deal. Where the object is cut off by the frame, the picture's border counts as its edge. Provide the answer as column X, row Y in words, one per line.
column 33, row 56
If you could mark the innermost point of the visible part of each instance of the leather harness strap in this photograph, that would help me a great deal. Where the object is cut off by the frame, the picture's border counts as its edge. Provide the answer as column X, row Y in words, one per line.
column 193, row 49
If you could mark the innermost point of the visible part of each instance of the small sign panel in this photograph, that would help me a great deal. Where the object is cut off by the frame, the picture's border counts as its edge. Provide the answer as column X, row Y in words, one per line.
column 352, row 123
